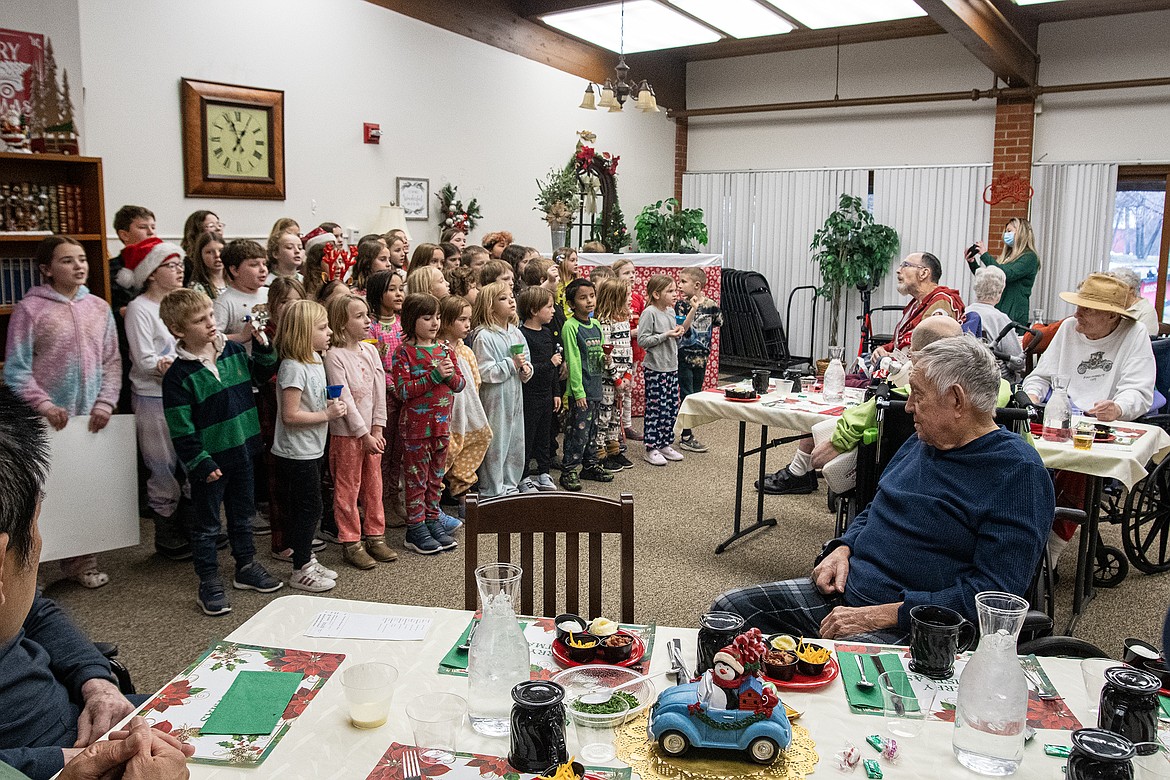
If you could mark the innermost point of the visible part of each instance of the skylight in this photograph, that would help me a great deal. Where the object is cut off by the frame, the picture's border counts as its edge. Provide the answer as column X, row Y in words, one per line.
column 649, row 26
column 737, row 18
column 819, row 14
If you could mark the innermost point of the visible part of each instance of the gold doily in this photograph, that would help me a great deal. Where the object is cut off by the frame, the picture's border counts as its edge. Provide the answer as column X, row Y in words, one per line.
column 636, row 749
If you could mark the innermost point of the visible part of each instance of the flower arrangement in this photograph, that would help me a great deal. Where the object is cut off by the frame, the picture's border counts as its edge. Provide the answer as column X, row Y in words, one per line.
column 587, row 154
column 452, row 213
column 557, row 196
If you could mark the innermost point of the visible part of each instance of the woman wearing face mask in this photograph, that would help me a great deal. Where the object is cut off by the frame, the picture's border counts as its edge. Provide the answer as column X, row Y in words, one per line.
column 1019, row 263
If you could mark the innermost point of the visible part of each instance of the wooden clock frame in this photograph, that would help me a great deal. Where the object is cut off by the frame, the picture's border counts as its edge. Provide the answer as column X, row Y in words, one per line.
column 197, row 181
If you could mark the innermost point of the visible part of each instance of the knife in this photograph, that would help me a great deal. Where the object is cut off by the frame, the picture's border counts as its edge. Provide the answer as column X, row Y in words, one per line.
column 899, row 707
column 682, row 674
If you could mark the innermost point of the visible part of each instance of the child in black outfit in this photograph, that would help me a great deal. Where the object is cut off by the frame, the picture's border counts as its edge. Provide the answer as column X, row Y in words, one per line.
column 542, row 396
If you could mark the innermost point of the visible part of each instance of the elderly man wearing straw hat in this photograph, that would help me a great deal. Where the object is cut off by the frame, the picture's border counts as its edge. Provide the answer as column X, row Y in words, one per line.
column 1106, row 355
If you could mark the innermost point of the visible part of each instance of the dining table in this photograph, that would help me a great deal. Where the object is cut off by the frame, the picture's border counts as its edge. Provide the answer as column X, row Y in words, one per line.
column 783, row 408
column 322, row 743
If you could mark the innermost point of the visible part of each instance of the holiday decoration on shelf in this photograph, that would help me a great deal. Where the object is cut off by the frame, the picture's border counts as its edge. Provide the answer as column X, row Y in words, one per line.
column 337, row 261
column 452, row 213
column 45, row 116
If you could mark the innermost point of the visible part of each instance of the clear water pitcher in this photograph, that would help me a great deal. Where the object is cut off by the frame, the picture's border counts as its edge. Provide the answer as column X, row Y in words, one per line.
column 498, row 658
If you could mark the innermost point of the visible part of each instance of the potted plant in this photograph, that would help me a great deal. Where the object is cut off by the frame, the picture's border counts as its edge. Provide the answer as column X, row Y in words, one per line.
column 558, row 197
column 852, row 251
column 665, row 227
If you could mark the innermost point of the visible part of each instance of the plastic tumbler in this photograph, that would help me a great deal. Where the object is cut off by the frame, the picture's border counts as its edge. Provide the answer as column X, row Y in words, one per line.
column 333, row 392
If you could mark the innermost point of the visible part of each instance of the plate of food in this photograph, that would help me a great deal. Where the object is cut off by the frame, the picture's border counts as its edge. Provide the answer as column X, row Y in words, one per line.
column 798, row 665
column 742, row 393
column 617, row 649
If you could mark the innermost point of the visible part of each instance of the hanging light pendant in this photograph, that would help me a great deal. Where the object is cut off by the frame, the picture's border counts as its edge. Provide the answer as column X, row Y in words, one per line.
column 590, row 99
column 614, row 93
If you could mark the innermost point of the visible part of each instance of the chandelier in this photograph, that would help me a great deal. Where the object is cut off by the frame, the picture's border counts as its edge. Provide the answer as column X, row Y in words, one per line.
column 614, row 93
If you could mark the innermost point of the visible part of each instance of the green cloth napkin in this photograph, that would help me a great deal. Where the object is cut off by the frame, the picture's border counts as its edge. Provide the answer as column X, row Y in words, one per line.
column 870, row 699
column 456, row 658
column 253, row 704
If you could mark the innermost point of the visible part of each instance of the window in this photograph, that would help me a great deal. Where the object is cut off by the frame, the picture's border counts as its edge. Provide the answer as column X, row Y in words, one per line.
column 1140, row 237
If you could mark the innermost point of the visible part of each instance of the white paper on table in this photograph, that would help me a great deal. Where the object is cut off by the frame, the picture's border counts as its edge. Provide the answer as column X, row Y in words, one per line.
column 91, row 495
column 354, row 625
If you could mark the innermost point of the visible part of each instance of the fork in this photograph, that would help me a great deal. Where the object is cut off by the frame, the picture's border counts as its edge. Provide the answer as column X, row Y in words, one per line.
column 410, row 765
column 1037, row 684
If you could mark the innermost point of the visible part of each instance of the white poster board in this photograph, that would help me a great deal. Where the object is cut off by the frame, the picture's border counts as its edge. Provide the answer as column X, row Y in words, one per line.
column 91, row 496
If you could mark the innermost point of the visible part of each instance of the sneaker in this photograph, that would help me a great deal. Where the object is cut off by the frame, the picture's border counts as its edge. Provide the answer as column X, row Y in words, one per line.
column 691, row 444
column 631, row 434
column 308, row 578
column 318, row 545
column 260, row 524
column 528, row 485
column 445, row 542
column 450, row 522
column 654, row 458
column 596, row 473
column 611, row 465
column 355, row 554
column 418, row 539
column 329, row 536
column 783, row 482
column 169, row 544
column 545, row 484
column 213, row 599
column 285, row 555
column 255, row 577
column 670, row 453
column 378, row 549
column 621, row 460
column 570, row 481
column 394, row 508
column 91, row 579
column 324, row 572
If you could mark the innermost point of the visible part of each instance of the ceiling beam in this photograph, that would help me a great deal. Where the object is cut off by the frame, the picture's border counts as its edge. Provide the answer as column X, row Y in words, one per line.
column 810, row 39
column 1008, row 51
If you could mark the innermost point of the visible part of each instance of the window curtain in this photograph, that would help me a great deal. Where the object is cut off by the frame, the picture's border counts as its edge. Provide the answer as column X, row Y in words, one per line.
column 764, row 221
column 1072, row 216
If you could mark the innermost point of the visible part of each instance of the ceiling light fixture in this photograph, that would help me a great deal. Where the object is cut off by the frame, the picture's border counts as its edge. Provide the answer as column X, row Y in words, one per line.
column 614, row 93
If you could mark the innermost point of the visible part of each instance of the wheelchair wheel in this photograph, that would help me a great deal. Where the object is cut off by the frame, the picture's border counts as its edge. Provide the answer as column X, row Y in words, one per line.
column 1145, row 529
column 1111, row 567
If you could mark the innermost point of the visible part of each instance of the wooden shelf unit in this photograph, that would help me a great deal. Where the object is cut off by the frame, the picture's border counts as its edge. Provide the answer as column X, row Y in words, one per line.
column 60, row 169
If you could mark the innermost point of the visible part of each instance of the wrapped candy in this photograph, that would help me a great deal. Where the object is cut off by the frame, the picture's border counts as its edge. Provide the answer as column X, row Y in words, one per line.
column 848, row 757
column 890, row 749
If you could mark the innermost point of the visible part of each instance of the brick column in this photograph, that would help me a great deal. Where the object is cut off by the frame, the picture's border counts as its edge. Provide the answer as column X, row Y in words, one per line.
column 1015, row 122
column 680, row 156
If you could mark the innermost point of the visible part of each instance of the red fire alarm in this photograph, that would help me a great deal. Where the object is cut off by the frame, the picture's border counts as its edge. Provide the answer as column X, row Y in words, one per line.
column 371, row 133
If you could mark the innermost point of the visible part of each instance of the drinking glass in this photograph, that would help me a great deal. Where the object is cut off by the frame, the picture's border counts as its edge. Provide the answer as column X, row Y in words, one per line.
column 436, row 719
column 1093, row 673
column 807, row 383
column 1038, row 315
column 904, row 714
column 596, row 732
column 368, row 690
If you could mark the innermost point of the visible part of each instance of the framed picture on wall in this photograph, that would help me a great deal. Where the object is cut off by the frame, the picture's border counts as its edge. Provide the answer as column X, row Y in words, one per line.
column 414, row 196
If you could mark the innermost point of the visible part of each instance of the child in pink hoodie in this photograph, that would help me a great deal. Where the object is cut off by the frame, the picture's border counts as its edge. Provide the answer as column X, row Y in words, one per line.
column 62, row 356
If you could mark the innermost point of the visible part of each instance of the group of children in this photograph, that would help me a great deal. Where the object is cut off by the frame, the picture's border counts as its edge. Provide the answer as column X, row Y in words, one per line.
column 348, row 403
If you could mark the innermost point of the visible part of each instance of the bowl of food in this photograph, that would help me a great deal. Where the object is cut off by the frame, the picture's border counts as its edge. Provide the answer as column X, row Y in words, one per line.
column 569, row 623
column 595, row 678
column 780, row 664
column 581, row 648
column 782, row 642
column 616, row 647
column 602, row 627
column 811, row 658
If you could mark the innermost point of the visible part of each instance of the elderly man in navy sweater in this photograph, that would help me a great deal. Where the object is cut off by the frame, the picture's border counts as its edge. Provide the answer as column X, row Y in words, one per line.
column 965, row 506
column 57, row 694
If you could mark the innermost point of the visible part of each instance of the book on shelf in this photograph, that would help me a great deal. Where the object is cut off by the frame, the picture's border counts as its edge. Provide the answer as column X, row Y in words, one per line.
column 26, row 207
column 17, row 276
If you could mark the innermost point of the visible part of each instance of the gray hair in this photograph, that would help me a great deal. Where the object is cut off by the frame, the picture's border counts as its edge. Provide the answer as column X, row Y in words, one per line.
column 963, row 361
column 1127, row 277
column 989, row 283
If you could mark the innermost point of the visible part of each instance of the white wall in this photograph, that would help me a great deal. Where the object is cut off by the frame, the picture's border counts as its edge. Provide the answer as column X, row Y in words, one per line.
column 57, row 21
column 452, row 109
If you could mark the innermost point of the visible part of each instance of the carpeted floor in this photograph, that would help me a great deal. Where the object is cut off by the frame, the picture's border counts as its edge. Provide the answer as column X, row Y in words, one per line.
column 682, row 512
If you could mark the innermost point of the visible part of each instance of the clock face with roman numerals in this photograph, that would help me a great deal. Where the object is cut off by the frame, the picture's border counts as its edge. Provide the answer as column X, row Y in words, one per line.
column 237, row 141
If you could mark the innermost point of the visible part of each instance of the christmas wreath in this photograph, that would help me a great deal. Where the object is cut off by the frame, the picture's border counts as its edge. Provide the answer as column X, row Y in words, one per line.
column 452, row 213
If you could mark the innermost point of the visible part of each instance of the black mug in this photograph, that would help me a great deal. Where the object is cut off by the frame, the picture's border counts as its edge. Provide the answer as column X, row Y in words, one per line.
column 1129, row 706
column 761, row 378
column 936, row 635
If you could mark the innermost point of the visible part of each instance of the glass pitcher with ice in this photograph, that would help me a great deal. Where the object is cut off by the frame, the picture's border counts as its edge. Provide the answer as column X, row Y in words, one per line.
column 1058, row 412
column 992, row 711
column 835, row 375
column 498, row 657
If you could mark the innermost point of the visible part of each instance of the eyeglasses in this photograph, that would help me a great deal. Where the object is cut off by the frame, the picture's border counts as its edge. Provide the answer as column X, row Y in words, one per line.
column 908, row 264
column 173, row 265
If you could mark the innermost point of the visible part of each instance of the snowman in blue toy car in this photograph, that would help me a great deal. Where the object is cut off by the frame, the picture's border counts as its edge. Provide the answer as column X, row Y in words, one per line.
column 728, row 707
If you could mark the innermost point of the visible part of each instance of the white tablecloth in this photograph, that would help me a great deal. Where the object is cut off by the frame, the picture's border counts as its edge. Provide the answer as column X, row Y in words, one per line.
column 322, row 744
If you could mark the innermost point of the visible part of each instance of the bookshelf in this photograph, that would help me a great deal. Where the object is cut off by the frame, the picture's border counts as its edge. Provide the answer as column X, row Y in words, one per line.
column 39, row 171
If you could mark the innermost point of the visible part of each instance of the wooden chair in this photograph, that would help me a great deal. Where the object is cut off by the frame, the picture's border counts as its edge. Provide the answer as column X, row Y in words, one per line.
column 547, row 515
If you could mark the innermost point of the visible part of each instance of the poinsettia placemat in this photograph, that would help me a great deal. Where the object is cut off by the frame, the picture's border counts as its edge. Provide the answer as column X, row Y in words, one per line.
column 187, row 701
column 1042, row 713
column 472, row 766
column 540, row 633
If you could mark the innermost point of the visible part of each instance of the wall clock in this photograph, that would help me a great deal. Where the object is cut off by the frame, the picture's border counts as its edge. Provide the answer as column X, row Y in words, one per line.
column 233, row 141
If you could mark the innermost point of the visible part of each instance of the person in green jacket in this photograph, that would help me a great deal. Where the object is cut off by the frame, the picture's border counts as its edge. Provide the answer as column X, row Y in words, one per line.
column 1019, row 263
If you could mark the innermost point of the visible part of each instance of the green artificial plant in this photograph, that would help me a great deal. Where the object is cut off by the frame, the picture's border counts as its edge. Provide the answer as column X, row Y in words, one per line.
column 666, row 227
column 852, row 251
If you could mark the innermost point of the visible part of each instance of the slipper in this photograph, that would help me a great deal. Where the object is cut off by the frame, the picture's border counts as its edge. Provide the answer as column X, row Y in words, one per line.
column 91, row 579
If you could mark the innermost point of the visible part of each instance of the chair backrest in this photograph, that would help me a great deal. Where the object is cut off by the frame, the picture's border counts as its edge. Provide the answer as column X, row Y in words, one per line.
column 1161, row 348
column 548, row 515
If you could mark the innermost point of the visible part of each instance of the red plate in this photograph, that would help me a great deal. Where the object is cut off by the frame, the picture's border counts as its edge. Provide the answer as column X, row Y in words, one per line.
column 636, row 652
column 802, row 683
column 742, row 400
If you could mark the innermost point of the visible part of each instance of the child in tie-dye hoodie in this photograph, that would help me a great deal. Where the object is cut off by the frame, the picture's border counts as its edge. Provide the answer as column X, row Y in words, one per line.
column 62, row 356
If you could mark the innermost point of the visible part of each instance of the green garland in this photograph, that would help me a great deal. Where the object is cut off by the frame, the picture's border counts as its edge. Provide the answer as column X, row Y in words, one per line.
column 724, row 726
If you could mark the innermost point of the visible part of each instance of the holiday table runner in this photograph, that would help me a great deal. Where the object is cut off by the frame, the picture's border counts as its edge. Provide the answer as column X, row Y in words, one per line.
column 221, row 686
column 471, row 766
column 540, row 633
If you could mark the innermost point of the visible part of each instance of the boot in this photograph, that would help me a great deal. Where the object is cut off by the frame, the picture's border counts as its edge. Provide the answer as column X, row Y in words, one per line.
column 355, row 554
column 378, row 549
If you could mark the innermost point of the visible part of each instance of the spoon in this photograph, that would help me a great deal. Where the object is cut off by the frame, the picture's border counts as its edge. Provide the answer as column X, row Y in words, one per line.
column 864, row 683
column 605, row 694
